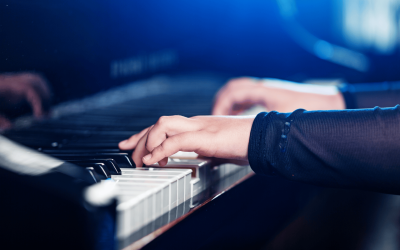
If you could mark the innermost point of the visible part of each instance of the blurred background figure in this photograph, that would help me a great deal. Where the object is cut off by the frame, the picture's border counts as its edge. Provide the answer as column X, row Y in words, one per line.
column 21, row 93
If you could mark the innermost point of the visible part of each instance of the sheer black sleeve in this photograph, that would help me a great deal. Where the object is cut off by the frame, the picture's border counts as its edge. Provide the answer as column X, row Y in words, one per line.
column 346, row 148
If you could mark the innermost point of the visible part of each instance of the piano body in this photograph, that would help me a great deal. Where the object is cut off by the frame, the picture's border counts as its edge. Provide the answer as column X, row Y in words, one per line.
column 115, row 67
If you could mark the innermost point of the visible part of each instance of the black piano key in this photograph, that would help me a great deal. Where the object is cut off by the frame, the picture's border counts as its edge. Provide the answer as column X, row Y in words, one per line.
column 84, row 151
column 89, row 145
column 121, row 159
column 99, row 168
column 111, row 165
column 93, row 174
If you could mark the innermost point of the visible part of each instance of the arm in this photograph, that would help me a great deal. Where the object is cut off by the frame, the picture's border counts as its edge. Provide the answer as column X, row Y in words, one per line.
column 348, row 149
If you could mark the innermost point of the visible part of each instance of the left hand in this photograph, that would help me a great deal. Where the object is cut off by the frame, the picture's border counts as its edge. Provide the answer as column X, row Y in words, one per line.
column 18, row 90
column 211, row 136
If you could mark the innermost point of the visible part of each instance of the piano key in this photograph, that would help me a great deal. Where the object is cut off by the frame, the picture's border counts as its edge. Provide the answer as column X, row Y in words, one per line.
column 184, row 183
column 99, row 168
column 172, row 181
column 130, row 213
column 200, row 172
column 163, row 190
column 121, row 159
column 109, row 163
column 84, row 151
column 96, row 177
column 185, row 155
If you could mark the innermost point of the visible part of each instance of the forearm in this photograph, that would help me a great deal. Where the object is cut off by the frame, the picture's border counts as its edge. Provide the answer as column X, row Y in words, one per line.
column 352, row 149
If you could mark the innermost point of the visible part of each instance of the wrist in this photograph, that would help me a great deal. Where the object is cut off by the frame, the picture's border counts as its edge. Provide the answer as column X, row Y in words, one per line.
column 337, row 101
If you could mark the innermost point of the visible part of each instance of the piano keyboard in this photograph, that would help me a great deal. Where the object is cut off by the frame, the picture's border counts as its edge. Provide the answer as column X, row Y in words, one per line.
column 146, row 198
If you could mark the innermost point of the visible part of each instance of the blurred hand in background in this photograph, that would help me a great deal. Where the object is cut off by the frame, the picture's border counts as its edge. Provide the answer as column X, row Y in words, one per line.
column 21, row 92
column 240, row 94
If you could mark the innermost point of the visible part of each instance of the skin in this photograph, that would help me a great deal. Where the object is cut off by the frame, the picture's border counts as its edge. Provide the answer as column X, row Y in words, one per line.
column 20, row 89
column 210, row 136
column 224, row 136
column 282, row 96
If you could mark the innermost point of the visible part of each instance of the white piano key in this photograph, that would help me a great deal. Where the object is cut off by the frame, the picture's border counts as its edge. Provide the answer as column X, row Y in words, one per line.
column 167, row 172
column 165, row 190
column 130, row 214
column 181, row 175
column 185, row 155
column 172, row 182
column 156, row 203
column 196, row 186
column 200, row 168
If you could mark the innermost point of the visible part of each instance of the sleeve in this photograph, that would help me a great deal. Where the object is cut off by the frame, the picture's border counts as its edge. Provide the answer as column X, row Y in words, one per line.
column 337, row 148
column 359, row 96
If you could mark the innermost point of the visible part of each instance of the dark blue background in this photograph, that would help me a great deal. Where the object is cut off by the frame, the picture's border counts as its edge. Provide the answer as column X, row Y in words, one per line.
column 73, row 42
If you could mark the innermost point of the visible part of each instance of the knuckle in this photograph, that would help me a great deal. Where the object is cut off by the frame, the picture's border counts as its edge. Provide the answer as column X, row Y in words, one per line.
column 159, row 151
column 172, row 142
column 149, row 146
column 162, row 120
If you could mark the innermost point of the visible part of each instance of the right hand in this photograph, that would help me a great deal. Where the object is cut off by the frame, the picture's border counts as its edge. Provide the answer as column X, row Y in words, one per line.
column 283, row 96
column 18, row 90
column 224, row 137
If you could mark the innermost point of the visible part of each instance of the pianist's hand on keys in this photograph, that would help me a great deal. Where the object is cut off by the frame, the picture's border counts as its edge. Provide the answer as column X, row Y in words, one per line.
column 211, row 136
column 241, row 94
column 17, row 91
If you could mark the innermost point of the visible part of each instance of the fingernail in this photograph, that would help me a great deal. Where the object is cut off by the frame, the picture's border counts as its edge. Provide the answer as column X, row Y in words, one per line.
column 123, row 142
column 147, row 157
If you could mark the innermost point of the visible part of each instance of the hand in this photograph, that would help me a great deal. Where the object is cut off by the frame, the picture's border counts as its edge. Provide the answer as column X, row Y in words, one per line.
column 283, row 96
column 211, row 136
column 18, row 90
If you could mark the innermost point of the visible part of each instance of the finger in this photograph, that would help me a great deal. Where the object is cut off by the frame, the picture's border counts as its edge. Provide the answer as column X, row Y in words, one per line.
column 36, row 80
column 131, row 143
column 168, row 126
column 188, row 142
column 140, row 151
column 4, row 123
column 163, row 162
column 42, row 84
column 222, row 106
column 224, row 100
column 34, row 101
column 42, row 88
column 225, row 103
column 246, row 96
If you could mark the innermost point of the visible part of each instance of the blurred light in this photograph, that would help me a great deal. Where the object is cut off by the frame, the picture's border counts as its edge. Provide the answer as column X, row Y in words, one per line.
column 320, row 48
column 101, row 194
column 23, row 160
column 371, row 24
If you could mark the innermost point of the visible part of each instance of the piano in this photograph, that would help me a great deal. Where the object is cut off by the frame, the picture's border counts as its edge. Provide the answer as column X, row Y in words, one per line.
column 134, row 207
column 66, row 185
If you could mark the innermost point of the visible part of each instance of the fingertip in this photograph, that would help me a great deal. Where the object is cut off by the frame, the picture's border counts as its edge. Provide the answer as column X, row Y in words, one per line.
column 122, row 144
column 163, row 162
column 146, row 159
